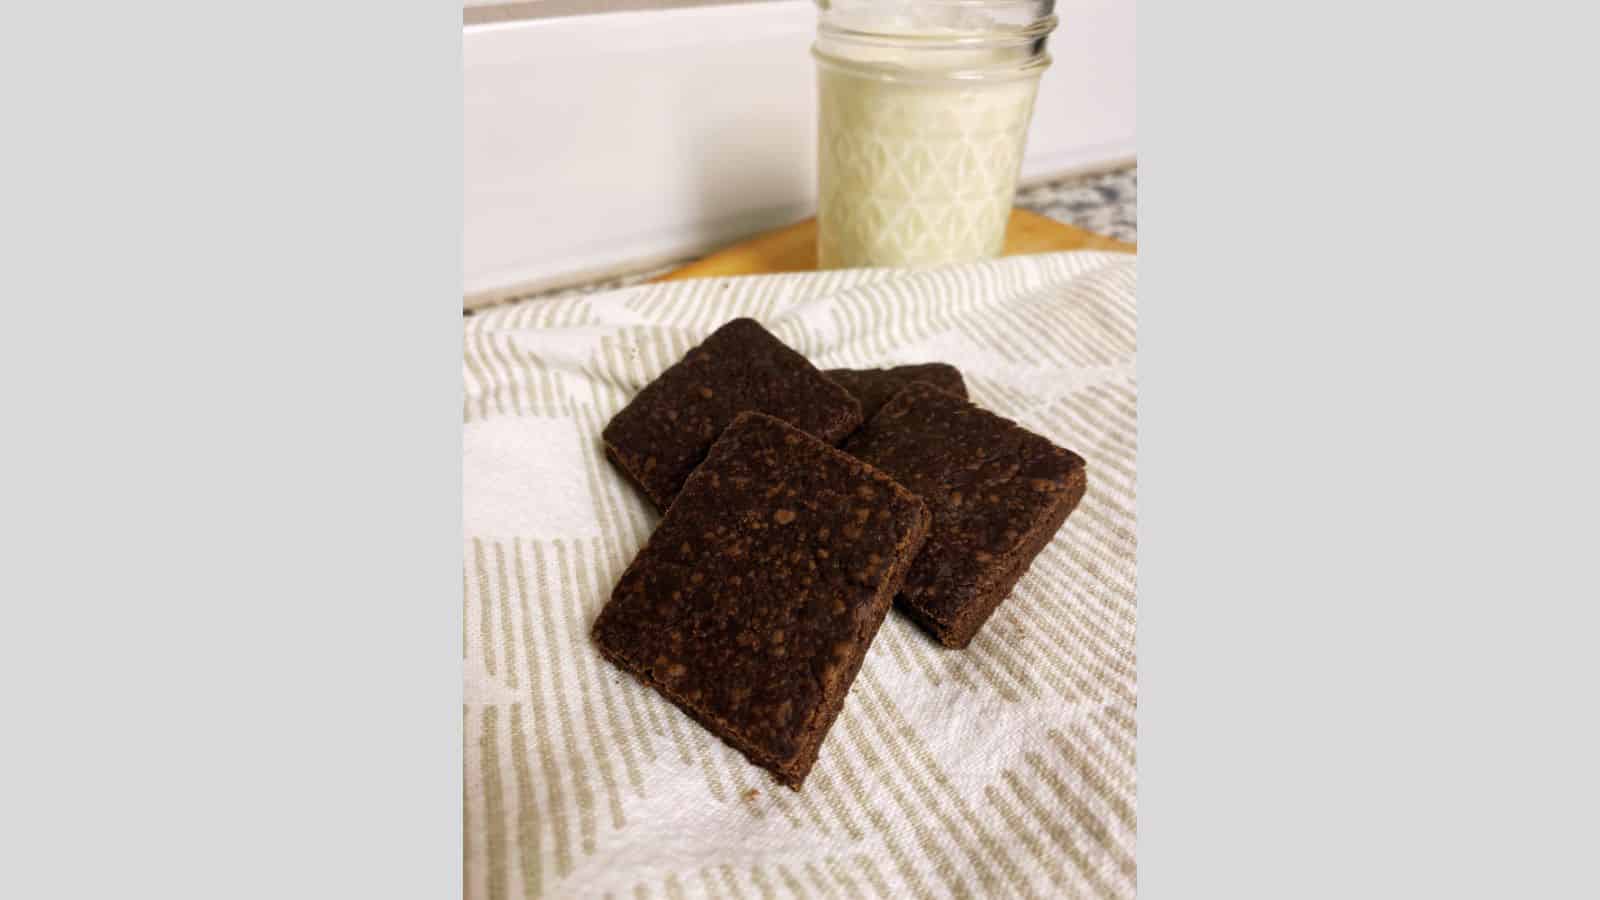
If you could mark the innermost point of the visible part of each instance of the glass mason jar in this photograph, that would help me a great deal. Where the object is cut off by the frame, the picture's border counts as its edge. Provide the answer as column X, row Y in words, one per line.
column 923, row 111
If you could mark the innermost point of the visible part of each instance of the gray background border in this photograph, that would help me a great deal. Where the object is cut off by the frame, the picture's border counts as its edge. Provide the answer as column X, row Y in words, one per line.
column 232, row 572
column 1366, row 452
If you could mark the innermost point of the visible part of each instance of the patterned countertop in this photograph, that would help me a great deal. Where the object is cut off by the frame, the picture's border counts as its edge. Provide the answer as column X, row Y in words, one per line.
column 1105, row 203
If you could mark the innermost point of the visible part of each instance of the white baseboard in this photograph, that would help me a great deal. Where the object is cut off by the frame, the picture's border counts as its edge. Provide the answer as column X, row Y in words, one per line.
column 595, row 143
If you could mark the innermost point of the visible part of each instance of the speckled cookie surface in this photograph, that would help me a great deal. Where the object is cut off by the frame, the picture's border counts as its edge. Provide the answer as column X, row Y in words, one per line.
column 754, row 601
column 997, row 492
column 665, row 431
column 874, row 387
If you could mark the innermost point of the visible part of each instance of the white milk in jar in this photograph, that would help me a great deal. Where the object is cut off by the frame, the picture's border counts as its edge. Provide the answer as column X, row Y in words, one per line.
column 922, row 118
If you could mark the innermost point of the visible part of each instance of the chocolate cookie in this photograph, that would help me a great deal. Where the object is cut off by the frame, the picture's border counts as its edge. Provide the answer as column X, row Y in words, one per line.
column 874, row 387
column 752, row 604
column 997, row 491
column 664, row 432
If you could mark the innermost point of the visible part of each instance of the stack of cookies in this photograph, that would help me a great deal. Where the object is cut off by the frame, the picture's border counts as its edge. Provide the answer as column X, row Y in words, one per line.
column 798, row 505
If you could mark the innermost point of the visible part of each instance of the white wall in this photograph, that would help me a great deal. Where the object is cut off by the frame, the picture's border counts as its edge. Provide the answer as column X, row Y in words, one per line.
column 598, row 143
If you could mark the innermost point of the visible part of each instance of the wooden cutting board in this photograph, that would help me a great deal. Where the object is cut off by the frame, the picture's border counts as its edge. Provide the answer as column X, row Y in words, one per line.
column 794, row 249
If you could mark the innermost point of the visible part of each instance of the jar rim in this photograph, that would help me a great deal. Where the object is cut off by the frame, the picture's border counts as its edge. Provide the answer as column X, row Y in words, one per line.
column 952, row 39
column 1046, row 7
column 1006, row 36
column 936, row 24
column 1027, row 67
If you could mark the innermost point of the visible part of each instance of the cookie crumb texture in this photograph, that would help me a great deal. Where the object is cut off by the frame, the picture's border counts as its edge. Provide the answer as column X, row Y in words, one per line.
column 998, row 494
column 665, row 431
column 875, row 387
column 752, row 604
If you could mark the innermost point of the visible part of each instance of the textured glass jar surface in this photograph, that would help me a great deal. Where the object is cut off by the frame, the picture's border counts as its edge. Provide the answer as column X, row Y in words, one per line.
column 917, row 172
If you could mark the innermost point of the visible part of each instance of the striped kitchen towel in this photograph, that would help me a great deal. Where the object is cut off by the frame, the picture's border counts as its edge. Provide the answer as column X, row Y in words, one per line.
column 1007, row 769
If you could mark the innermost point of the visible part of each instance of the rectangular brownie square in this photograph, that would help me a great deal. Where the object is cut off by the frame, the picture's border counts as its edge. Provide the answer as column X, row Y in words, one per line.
column 664, row 432
column 997, row 491
column 752, row 605
column 874, row 387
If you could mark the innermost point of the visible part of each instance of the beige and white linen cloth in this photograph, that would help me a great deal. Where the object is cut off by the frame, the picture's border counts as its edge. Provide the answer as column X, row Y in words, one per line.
column 1006, row 769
